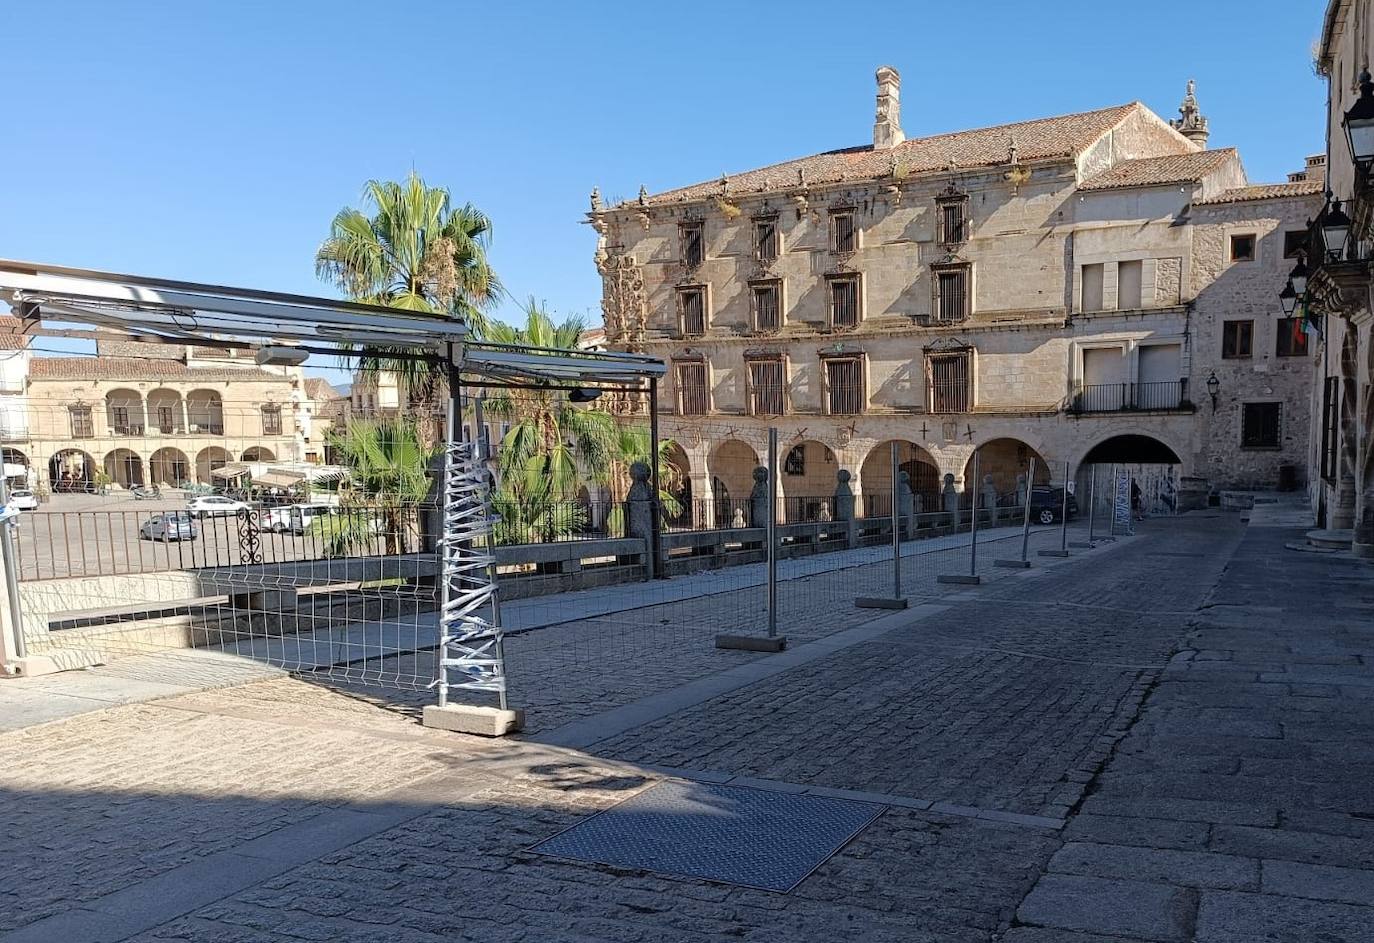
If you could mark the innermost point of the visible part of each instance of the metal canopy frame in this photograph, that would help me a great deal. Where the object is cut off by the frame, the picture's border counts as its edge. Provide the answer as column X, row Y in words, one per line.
column 159, row 310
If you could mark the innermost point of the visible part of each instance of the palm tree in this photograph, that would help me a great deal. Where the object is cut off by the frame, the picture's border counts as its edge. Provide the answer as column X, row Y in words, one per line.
column 418, row 252
column 387, row 483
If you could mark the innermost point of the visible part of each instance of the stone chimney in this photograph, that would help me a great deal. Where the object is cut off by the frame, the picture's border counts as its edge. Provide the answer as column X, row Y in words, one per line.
column 1314, row 170
column 887, row 129
column 1191, row 123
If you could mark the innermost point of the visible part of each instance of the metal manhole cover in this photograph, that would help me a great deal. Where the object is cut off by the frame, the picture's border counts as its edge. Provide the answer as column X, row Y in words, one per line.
column 731, row 834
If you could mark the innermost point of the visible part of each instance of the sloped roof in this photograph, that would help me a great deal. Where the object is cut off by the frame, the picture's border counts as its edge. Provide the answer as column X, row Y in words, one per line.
column 1264, row 191
column 11, row 337
column 1041, row 139
column 320, row 389
column 1155, row 171
column 137, row 368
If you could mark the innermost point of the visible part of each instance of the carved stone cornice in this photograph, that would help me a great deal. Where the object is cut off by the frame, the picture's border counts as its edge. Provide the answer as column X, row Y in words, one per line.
column 1340, row 288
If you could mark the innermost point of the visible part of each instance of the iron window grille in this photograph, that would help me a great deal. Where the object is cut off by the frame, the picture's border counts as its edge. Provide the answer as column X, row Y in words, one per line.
column 949, row 382
column 844, row 386
column 767, row 305
column 951, row 294
column 1331, row 417
column 692, row 311
column 692, row 239
column 844, row 301
column 1260, row 425
column 842, row 232
column 271, row 420
column 767, row 387
column 1237, row 339
column 766, row 242
column 794, row 464
column 692, row 396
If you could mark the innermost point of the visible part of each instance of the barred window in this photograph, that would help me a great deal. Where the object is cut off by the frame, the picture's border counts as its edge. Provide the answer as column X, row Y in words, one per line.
column 692, row 311
column 767, row 387
column 691, row 389
column 83, row 426
column 952, row 223
column 693, row 243
column 766, row 238
column 842, row 231
column 951, row 295
column 1331, row 423
column 271, row 420
column 948, row 378
column 844, row 386
column 844, row 301
column 767, row 298
column 1259, row 425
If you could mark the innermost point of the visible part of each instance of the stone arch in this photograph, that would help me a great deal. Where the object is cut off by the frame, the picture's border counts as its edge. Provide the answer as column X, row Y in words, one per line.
column 678, row 472
column 258, row 453
column 209, row 459
column 166, row 411
column 72, row 470
column 124, row 412
column 875, row 476
column 1004, row 458
column 731, row 465
column 169, row 466
column 807, row 479
column 205, row 413
column 1147, row 460
column 125, row 467
column 15, row 466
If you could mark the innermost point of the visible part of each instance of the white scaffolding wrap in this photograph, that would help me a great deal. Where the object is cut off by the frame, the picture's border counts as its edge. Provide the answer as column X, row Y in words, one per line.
column 469, row 615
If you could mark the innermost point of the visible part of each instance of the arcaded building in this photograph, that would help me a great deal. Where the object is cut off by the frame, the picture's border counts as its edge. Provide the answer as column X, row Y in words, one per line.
column 1095, row 288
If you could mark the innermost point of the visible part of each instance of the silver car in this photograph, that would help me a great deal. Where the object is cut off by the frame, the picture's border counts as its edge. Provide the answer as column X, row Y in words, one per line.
column 174, row 525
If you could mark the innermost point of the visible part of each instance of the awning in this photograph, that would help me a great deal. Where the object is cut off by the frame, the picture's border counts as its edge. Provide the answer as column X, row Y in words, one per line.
column 229, row 472
column 278, row 479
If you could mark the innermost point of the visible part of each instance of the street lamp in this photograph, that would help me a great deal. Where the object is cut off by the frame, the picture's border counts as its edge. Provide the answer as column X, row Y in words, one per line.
column 1288, row 299
column 1298, row 277
column 1335, row 230
column 1213, row 388
column 1359, row 125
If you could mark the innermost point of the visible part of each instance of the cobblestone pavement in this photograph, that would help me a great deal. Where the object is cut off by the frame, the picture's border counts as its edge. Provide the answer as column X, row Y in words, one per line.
column 1201, row 723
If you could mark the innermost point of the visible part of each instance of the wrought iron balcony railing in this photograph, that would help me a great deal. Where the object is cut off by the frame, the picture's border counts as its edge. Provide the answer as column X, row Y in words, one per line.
column 1163, row 395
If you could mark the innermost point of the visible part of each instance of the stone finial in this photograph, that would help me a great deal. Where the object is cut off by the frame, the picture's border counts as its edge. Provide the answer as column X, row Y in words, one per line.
column 724, row 184
column 639, row 472
column 887, row 126
column 643, row 195
column 597, row 205
column 1191, row 122
column 801, row 176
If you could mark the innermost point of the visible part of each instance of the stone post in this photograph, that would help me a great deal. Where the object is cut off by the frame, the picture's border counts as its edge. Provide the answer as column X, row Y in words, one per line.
column 1021, row 489
column 905, row 504
column 758, row 499
column 990, row 499
column 950, row 499
column 844, row 496
column 639, row 513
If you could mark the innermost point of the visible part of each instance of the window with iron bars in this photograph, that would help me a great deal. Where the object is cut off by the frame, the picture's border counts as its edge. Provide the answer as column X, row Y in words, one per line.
column 951, row 294
column 844, row 381
column 271, row 420
column 767, row 387
column 83, row 426
column 1331, row 420
column 692, row 399
column 844, row 301
column 952, row 219
column 948, row 379
column 766, row 240
column 1260, row 424
column 842, row 232
column 691, row 236
column 691, row 303
column 767, row 304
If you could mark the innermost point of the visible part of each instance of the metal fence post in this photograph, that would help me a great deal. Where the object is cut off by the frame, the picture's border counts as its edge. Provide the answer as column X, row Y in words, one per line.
column 1092, row 511
column 896, row 601
column 1024, row 562
column 1064, row 514
column 9, row 559
column 772, row 530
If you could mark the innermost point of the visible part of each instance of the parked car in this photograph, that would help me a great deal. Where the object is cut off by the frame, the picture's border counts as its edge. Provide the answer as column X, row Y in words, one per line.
column 294, row 518
column 214, row 505
column 173, row 525
column 1047, row 505
column 23, row 500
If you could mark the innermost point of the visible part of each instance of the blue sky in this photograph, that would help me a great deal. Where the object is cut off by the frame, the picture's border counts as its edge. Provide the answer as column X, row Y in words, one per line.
column 215, row 141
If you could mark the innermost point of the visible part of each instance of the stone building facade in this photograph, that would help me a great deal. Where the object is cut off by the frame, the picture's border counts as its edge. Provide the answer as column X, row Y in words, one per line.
column 1341, row 297
column 1059, row 289
column 160, row 414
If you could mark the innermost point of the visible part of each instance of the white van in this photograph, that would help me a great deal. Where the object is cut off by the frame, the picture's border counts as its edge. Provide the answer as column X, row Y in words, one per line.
column 294, row 518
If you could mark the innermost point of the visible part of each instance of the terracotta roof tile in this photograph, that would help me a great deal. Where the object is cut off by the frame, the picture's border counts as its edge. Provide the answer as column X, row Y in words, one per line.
column 137, row 368
column 1154, row 171
column 320, row 389
column 10, row 336
column 1264, row 191
column 1041, row 139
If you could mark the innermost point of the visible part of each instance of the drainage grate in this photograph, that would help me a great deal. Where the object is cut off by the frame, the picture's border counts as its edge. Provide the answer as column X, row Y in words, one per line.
column 731, row 834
